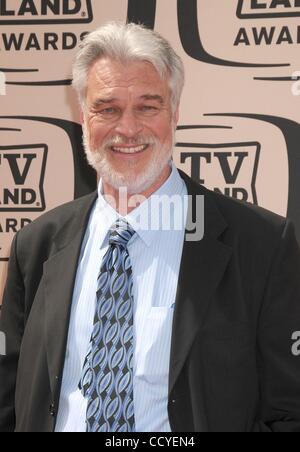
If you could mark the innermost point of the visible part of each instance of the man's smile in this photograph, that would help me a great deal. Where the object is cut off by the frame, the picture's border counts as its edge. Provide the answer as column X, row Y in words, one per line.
column 130, row 150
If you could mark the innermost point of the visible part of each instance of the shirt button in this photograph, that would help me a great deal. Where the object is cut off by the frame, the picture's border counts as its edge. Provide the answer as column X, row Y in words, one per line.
column 52, row 410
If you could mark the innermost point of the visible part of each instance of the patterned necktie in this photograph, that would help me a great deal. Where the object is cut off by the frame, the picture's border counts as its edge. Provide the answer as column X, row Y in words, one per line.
column 107, row 376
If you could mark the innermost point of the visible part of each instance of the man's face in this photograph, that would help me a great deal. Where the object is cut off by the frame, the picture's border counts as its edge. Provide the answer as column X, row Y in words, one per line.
column 129, row 124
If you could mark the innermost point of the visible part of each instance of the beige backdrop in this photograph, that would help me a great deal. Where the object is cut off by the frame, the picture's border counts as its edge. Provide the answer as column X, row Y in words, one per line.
column 239, row 125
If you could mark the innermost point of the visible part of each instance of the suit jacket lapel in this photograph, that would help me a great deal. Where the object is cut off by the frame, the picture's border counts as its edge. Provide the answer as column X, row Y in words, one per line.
column 59, row 275
column 202, row 267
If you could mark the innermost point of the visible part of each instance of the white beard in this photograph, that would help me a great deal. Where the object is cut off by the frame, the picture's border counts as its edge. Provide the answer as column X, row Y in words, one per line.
column 135, row 184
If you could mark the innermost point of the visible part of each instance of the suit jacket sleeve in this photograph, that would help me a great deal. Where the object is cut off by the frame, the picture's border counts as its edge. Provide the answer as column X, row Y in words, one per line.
column 278, row 365
column 12, row 325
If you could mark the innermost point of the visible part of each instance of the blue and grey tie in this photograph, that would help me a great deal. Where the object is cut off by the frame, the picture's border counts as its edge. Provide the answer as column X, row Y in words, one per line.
column 107, row 376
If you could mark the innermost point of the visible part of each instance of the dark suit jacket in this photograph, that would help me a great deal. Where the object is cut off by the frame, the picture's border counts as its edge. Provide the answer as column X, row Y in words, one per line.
column 237, row 307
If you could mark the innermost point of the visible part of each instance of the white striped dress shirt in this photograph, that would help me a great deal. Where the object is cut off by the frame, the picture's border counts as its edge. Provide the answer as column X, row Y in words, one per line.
column 155, row 257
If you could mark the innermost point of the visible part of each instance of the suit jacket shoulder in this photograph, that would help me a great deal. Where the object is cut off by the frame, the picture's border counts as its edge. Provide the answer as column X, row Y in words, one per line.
column 240, row 219
column 51, row 223
column 66, row 220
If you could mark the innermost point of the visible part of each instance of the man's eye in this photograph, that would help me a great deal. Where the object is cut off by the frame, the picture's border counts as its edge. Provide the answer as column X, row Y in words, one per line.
column 149, row 109
column 108, row 111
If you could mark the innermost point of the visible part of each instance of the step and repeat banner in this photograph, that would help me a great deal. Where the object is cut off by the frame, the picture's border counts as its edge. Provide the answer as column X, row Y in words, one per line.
column 239, row 130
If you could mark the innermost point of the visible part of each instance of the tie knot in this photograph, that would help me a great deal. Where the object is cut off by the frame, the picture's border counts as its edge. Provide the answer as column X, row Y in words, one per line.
column 120, row 233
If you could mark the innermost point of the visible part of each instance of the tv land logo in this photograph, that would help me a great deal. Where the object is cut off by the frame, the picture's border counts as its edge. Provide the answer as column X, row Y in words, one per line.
column 42, row 12
column 30, row 173
column 260, row 9
column 271, row 34
column 33, row 39
column 22, row 173
column 30, row 12
column 229, row 168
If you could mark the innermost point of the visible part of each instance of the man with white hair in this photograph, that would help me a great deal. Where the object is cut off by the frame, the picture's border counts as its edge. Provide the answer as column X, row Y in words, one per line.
column 114, row 326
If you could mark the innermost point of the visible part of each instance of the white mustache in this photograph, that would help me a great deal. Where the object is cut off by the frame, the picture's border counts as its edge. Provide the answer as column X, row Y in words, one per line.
column 119, row 140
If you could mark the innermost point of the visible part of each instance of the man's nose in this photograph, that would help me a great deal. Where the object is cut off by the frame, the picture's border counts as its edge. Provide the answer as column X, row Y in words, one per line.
column 129, row 125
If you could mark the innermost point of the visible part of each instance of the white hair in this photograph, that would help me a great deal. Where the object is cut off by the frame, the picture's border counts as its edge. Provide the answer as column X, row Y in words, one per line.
column 126, row 43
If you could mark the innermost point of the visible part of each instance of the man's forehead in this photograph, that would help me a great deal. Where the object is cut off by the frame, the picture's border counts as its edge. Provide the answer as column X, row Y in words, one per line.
column 110, row 73
column 110, row 81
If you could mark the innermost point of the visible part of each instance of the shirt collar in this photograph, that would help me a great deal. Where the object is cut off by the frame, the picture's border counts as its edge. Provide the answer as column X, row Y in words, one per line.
column 174, row 185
